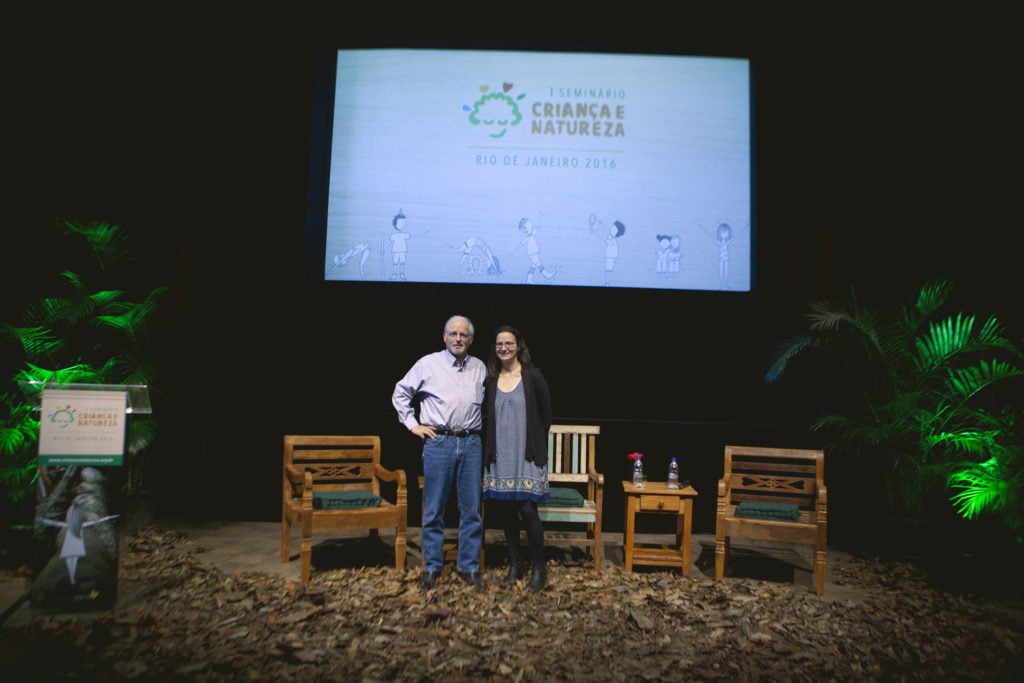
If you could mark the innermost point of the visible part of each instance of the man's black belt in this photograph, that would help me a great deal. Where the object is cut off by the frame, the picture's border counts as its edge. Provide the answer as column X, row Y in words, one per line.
column 461, row 433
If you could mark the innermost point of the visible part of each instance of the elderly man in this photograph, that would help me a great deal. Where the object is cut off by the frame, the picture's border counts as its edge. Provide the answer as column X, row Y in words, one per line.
column 450, row 387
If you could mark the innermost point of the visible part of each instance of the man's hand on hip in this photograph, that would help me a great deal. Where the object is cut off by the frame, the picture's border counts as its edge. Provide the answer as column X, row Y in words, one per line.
column 424, row 431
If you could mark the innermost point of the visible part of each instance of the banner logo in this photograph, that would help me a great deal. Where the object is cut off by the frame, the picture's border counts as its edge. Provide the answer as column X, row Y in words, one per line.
column 62, row 417
column 498, row 111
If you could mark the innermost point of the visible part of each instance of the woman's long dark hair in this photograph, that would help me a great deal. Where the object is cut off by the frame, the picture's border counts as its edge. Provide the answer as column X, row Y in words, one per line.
column 522, row 351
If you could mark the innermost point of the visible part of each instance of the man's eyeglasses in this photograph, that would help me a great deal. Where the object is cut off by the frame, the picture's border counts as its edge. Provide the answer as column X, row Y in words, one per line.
column 505, row 345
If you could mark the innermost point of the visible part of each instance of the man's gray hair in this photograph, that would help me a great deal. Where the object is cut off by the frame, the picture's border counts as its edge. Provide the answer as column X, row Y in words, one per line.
column 472, row 330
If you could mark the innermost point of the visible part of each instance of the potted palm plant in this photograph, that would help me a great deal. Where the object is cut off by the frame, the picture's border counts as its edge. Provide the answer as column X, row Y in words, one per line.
column 79, row 335
column 924, row 396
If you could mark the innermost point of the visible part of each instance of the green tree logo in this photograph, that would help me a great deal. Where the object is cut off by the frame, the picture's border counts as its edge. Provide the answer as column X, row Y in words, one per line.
column 62, row 417
column 496, row 109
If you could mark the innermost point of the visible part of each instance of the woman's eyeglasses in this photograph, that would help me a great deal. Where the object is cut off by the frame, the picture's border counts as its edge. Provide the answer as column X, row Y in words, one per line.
column 504, row 345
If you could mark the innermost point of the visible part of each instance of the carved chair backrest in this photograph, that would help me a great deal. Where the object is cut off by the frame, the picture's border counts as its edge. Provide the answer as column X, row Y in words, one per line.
column 337, row 463
column 773, row 475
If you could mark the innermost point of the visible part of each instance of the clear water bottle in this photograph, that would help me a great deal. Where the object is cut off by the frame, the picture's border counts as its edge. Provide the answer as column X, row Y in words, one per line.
column 673, row 474
column 638, row 473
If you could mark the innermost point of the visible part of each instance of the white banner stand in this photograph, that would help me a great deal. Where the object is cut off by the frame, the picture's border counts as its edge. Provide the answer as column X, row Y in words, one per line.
column 81, row 451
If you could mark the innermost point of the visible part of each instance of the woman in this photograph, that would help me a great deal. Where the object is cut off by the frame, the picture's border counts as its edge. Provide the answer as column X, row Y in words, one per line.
column 518, row 409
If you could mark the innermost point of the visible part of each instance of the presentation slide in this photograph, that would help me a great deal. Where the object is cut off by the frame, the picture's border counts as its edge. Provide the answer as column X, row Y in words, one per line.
column 542, row 168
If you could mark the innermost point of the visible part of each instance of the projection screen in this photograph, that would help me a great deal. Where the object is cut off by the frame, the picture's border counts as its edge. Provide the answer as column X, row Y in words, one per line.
column 540, row 168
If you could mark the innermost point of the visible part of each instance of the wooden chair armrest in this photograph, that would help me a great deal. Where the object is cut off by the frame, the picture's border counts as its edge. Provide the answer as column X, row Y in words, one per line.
column 596, row 477
column 307, row 490
column 398, row 476
column 822, row 493
column 385, row 474
column 724, row 490
column 293, row 474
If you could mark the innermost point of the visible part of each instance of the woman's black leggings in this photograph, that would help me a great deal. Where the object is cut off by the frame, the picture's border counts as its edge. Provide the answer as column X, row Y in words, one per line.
column 514, row 515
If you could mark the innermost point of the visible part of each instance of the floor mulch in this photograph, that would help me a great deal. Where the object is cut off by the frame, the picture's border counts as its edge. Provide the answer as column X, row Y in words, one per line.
column 190, row 621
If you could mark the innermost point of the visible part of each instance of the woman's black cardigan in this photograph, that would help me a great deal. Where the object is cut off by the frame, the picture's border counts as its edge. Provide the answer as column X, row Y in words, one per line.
column 538, row 417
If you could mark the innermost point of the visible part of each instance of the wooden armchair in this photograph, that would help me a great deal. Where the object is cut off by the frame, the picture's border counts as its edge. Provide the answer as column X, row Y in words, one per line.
column 332, row 483
column 572, row 454
column 775, row 494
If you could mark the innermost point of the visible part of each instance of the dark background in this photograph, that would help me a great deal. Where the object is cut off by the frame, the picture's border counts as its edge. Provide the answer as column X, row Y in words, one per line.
column 886, row 155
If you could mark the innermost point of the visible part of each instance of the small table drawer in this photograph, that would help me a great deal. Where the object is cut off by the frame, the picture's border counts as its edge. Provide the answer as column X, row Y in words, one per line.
column 653, row 503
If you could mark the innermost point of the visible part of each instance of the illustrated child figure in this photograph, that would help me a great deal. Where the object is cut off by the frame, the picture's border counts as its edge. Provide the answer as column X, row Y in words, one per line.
column 611, row 249
column 362, row 250
column 399, row 246
column 533, row 253
column 662, row 255
column 724, row 235
column 675, row 255
column 611, row 243
column 476, row 257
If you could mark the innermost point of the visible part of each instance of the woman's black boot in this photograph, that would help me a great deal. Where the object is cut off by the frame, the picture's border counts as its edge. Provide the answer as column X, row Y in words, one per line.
column 515, row 568
column 538, row 579
column 515, row 557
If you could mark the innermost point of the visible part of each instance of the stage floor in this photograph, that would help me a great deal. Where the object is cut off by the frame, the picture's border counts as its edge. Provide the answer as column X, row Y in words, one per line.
column 256, row 546
column 235, row 547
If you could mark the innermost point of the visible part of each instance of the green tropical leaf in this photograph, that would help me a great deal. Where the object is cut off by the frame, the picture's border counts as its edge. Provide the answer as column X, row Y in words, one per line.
column 11, row 439
column 932, row 297
column 109, row 243
column 130, row 318
column 967, row 382
column 18, row 480
column 53, row 311
column 983, row 488
column 992, row 336
column 79, row 373
column 784, row 352
column 19, row 432
column 943, row 341
column 37, row 342
column 80, row 304
column 828, row 317
column 968, row 442
column 140, row 435
column 127, row 369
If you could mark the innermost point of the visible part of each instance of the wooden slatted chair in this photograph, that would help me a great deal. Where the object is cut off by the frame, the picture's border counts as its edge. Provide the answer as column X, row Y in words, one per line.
column 775, row 494
column 332, row 483
column 572, row 457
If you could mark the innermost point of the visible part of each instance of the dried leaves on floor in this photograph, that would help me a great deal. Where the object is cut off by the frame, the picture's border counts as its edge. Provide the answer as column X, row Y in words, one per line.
column 189, row 621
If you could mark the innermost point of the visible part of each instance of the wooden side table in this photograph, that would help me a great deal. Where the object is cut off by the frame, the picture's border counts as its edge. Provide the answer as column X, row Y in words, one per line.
column 658, row 498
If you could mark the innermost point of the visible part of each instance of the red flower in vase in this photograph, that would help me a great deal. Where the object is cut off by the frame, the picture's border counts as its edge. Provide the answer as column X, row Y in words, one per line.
column 636, row 456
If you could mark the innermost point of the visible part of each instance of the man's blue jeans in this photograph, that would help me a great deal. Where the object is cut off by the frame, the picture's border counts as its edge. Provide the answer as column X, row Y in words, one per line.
column 451, row 460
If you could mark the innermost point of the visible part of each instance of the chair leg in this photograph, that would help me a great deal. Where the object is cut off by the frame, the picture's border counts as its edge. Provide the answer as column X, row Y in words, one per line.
column 306, row 556
column 721, row 556
column 819, row 571
column 400, row 548
column 286, row 538
column 597, row 547
column 306, row 553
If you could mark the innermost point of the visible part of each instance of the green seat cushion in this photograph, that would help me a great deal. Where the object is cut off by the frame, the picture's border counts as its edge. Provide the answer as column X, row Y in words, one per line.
column 787, row 512
column 337, row 500
column 564, row 498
